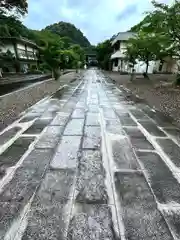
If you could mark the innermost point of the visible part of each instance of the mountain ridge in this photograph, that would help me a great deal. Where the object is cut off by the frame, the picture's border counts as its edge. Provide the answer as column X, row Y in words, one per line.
column 66, row 29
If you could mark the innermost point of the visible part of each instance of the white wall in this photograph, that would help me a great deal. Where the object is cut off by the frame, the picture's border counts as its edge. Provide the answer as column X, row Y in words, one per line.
column 123, row 46
column 21, row 46
column 7, row 47
column 156, row 65
column 140, row 67
column 21, row 53
column 175, row 66
column 116, row 68
column 29, row 49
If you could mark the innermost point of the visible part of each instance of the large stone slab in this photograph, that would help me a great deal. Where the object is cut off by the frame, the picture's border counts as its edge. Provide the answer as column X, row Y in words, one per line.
column 92, row 119
column 74, row 127
column 50, row 137
column 92, row 222
column 24, row 142
column 78, row 113
column 113, row 126
column 90, row 185
column 171, row 149
column 138, row 114
column 109, row 113
column 172, row 217
column 9, row 212
column 38, row 126
column 125, row 119
column 81, row 104
column 159, row 118
column 138, row 140
column 8, row 135
column 93, row 101
column 163, row 183
column 133, row 132
column 47, row 222
column 93, row 108
column 49, row 214
column 13, row 154
column 56, row 188
column 61, row 119
column 123, row 154
column 30, row 116
column 38, row 159
column 22, row 186
column 173, row 132
column 152, row 128
column 67, row 153
column 141, row 218
column 92, row 137
column 49, row 114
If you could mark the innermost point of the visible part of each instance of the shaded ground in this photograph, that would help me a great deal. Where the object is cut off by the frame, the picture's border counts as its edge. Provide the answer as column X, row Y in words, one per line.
column 90, row 164
column 158, row 92
column 23, row 78
column 13, row 104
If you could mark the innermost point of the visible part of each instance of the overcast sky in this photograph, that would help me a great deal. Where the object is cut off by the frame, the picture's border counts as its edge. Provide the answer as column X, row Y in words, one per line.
column 97, row 19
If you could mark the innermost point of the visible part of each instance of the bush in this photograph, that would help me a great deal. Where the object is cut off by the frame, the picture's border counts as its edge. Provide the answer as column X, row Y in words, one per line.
column 35, row 72
column 33, row 68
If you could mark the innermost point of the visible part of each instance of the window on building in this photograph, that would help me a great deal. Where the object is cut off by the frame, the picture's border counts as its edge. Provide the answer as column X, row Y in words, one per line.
column 22, row 53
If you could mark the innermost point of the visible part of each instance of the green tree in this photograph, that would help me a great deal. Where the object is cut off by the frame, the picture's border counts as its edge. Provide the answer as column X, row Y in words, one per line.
column 10, row 26
column 131, row 54
column 169, row 23
column 67, row 42
column 20, row 6
column 8, row 57
column 79, row 54
column 146, row 47
column 51, row 56
column 164, row 21
column 64, row 29
column 104, row 51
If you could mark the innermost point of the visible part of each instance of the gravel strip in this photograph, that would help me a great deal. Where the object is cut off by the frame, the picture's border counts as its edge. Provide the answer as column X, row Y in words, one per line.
column 11, row 105
column 164, row 97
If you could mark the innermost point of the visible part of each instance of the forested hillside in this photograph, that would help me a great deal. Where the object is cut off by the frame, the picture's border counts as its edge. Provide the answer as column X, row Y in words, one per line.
column 68, row 33
column 64, row 29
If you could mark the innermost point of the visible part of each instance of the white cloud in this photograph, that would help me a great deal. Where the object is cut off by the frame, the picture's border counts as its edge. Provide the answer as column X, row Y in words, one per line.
column 99, row 19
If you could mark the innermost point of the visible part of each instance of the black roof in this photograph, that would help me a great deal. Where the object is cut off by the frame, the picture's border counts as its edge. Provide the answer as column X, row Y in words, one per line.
column 19, row 39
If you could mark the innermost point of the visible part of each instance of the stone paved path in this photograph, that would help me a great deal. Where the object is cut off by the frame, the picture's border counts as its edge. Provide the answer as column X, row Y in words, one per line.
column 87, row 163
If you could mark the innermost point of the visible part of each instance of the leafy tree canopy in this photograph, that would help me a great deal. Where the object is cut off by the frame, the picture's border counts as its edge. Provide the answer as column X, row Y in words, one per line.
column 104, row 51
column 146, row 47
column 11, row 27
column 64, row 29
column 20, row 6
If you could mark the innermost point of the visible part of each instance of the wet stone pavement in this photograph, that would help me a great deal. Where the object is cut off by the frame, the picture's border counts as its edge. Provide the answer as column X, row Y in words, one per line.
column 88, row 163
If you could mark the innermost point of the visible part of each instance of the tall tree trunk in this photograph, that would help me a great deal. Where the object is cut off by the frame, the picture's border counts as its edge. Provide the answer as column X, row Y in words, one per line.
column 56, row 73
column 147, row 66
column 145, row 74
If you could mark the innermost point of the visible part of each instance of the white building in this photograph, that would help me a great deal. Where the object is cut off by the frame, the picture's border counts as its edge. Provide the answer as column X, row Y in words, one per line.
column 23, row 50
column 119, row 49
column 120, row 64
